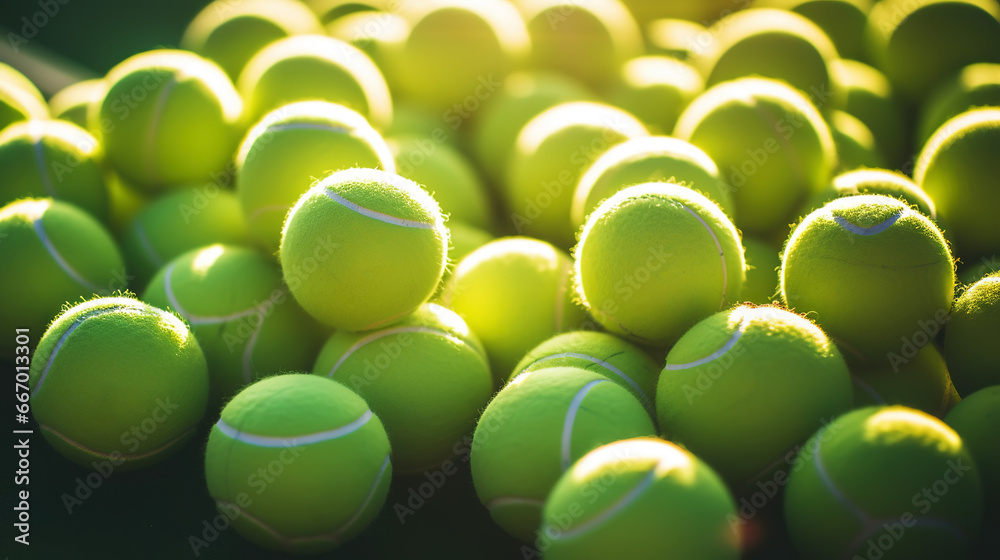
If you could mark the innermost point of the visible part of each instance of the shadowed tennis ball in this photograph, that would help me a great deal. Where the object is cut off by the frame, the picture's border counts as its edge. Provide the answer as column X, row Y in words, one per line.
column 314, row 67
column 770, row 144
column 869, row 96
column 427, row 377
column 977, row 421
column 977, row 270
column 887, row 482
column 656, row 89
column 703, row 12
column 919, row 44
column 843, row 21
column 169, row 117
column 656, row 258
column 856, row 147
column 19, row 98
column 231, row 34
column 116, row 380
column 298, row 429
column 60, row 254
column 763, row 261
column 514, row 293
column 363, row 248
column 970, row 339
column 677, row 38
column 977, row 85
column 619, row 360
column 56, row 159
column 289, row 150
column 535, row 429
column 551, row 154
column 873, row 272
column 919, row 380
column 639, row 498
column 72, row 103
column 876, row 181
column 955, row 169
column 644, row 160
column 124, row 203
column 589, row 40
column 330, row 11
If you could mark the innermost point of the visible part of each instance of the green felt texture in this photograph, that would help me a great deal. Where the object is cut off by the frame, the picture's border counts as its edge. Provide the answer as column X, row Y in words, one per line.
column 920, row 381
column 977, row 419
column 970, row 340
column 875, row 181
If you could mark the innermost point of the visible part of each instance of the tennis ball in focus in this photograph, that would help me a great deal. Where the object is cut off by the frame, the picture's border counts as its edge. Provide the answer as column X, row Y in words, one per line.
column 19, row 98
column 970, row 339
column 919, row 381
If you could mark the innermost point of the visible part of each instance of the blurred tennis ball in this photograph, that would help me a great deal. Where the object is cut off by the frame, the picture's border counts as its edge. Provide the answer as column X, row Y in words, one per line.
column 19, row 98
column 869, row 96
column 656, row 89
column 921, row 382
column 856, row 147
column 843, row 21
column 72, row 103
column 977, row 85
column 677, row 38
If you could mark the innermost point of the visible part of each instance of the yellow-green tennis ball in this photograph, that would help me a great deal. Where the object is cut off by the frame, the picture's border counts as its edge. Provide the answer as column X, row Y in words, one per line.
column 876, row 181
column 976, row 271
column 843, row 21
column 855, row 143
column 744, row 386
column 644, row 160
column 413, row 120
column 918, row 380
column 369, row 30
column 884, row 482
column 298, row 463
column 869, row 96
column 615, row 358
column 677, row 38
column 115, row 380
column 873, row 272
column 969, row 345
column 55, row 159
column 72, row 103
column 363, row 248
column 955, row 169
column 314, row 67
column 639, row 498
column 514, row 293
column 770, row 144
column 977, row 421
column 535, row 429
column 656, row 258
column 231, row 34
column 977, row 85
column 763, row 261
column 330, row 11
column 656, row 89
column 289, row 150
column 704, row 12
column 19, row 98
column 169, row 117
column 919, row 44
column 124, row 203
column 551, row 154
column 426, row 377
column 53, row 253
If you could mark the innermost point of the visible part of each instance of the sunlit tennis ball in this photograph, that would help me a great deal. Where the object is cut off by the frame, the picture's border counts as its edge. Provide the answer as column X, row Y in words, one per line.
column 72, row 103
column 656, row 89
column 369, row 30
column 19, row 98
column 678, row 38
column 977, row 85
column 869, row 96
column 856, row 147
column 843, row 21
column 876, row 181
column 918, row 379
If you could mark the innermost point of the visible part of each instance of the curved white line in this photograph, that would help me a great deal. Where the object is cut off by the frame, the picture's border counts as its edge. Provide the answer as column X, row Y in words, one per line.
column 613, row 510
column 40, row 230
column 387, row 332
column 735, row 338
column 831, row 487
column 603, row 364
column 294, row 441
column 364, row 505
column 574, row 408
column 200, row 319
column 375, row 214
column 509, row 501
column 872, row 230
column 722, row 256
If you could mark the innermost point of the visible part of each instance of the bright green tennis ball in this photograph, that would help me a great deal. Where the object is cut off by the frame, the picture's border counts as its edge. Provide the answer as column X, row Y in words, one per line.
column 656, row 258
column 876, row 181
column 743, row 386
column 639, row 498
column 889, row 482
column 169, row 117
column 19, row 98
column 956, row 169
column 116, row 380
column 770, row 144
column 514, row 293
column 56, row 159
column 977, row 421
column 60, row 254
column 970, row 339
column 856, row 146
column 289, row 150
column 763, row 261
column 656, row 89
column 314, row 67
column 919, row 380
column 426, row 377
column 535, row 429
column 869, row 96
column 873, row 272
column 677, row 38
column 977, row 85
column 843, row 21
column 648, row 159
column 72, row 103
column 230, row 34
column 552, row 152
column 619, row 360
column 298, row 463
column 362, row 248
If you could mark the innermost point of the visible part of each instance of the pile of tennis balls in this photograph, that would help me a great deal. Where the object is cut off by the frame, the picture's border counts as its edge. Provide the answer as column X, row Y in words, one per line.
column 669, row 264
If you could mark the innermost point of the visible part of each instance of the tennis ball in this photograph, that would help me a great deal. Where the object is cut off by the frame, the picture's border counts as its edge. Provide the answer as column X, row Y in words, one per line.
column 855, row 143
column 368, row 30
column 116, row 380
column 976, row 271
column 56, row 159
column 763, row 261
column 231, row 34
column 644, row 160
column 639, row 498
column 169, row 117
column 72, row 103
column 298, row 463
column 977, row 85
column 535, row 429
column 873, row 272
column 656, row 89
column 589, row 40
column 869, row 96
column 330, row 11
column 289, row 149
column 876, row 181
column 886, row 482
column 514, row 293
column 677, row 38
column 745, row 385
column 705, row 11
column 656, row 258
column 426, row 377
column 843, row 21
column 314, row 67
column 969, row 345
column 977, row 421
column 955, row 168
column 412, row 120
column 769, row 142
column 551, row 154
column 919, row 381
column 362, row 248
column 60, row 254
column 19, row 98
column 124, row 203
column 619, row 360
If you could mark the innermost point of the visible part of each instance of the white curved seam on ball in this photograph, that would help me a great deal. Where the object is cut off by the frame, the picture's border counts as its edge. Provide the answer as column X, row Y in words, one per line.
column 40, row 161
column 281, row 127
column 870, row 230
column 150, row 141
column 574, row 408
column 603, row 364
column 733, row 340
column 140, row 232
column 294, row 441
column 116, row 454
column 722, row 255
column 382, row 334
column 40, row 231
column 613, row 510
column 335, row 535
column 876, row 525
column 513, row 501
column 271, row 208
column 561, row 297
column 869, row 389
column 374, row 214
column 200, row 319
column 824, row 477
